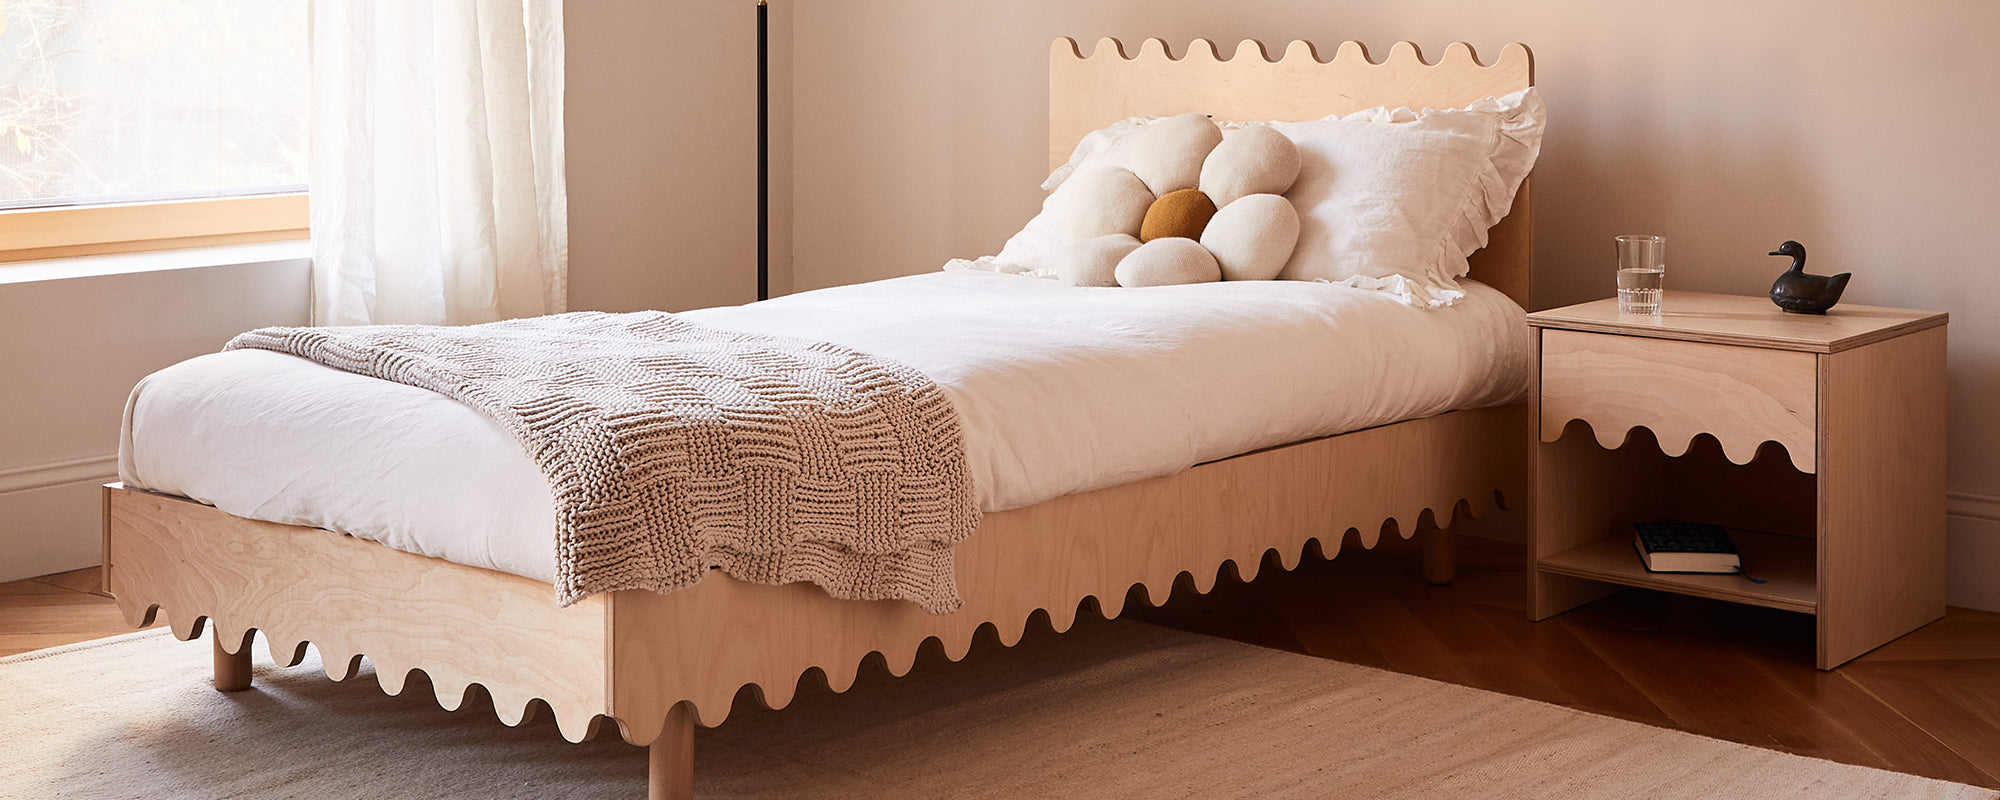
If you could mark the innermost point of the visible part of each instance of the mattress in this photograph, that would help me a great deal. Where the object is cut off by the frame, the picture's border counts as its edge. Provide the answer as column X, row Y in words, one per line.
column 1059, row 390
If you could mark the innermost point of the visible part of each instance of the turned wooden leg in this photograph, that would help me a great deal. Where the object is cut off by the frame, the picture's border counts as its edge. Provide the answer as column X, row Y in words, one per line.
column 232, row 670
column 1440, row 555
column 670, row 760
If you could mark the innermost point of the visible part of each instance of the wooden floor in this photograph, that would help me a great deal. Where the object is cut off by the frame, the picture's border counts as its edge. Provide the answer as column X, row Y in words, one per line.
column 1927, row 704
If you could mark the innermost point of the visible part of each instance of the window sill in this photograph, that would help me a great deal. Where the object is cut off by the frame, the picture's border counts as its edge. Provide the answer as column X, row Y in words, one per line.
column 29, row 234
column 53, row 269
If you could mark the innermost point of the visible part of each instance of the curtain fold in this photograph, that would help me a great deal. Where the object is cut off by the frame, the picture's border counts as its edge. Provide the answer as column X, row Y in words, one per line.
column 438, row 193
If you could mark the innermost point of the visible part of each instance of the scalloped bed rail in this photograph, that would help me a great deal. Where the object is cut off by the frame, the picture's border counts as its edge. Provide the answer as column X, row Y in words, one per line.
column 513, row 706
column 633, row 656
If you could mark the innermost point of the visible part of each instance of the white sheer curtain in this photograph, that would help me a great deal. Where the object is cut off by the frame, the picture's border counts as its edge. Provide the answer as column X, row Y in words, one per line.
column 437, row 161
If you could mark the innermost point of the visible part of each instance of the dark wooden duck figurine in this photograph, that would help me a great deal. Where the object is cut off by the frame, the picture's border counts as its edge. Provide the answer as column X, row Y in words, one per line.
column 1800, row 293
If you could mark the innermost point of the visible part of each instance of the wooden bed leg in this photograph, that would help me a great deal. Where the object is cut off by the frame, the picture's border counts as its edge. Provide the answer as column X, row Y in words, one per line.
column 670, row 759
column 1440, row 555
column 232, row 671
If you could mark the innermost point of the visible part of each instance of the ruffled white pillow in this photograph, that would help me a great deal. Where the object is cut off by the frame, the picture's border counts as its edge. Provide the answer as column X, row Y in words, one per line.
column 1395, row 200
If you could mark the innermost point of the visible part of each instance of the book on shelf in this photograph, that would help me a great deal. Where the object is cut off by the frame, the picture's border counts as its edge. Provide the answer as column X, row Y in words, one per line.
column 1686, row 547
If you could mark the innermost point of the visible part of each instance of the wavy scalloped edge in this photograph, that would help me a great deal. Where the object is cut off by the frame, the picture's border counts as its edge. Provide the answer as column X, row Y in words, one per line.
column 579, row 725
column 777, row 694
column 511, row 708
column 1457, row 55
column 1676, row 443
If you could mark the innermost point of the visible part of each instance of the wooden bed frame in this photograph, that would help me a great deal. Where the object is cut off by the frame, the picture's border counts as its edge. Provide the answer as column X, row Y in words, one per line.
column 657, row 664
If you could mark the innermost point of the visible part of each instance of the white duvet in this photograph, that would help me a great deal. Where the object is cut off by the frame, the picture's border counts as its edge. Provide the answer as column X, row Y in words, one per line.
column 1060, row 390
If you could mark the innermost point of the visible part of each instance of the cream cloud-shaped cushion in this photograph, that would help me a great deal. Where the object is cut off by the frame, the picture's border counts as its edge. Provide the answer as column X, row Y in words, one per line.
column 1168, row 262
column 1168, row 156
column 1107, row 200
column 1094, row 261
column 1102, row 207
column 1253, row 237
column 1254, row 160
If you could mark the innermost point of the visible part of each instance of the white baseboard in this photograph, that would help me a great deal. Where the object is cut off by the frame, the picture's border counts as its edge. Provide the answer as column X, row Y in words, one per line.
column 51, row 516
column 1972, row 577
column 51, row 529
column 1972, row 540
column 102, row 469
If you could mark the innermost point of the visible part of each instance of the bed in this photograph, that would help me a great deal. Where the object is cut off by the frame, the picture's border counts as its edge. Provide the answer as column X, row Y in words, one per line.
column 656, row 665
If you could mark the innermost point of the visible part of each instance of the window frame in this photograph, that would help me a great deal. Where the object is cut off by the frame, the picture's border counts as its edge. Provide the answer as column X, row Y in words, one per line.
column 60, row 232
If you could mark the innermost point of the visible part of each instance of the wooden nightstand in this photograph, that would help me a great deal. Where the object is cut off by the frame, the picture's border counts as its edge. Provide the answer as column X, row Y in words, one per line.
column 1843, row 516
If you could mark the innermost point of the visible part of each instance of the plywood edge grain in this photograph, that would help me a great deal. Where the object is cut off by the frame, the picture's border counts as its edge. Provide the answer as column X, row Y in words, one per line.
column 1743, row 321
column 351, row 598
column 1745, row 340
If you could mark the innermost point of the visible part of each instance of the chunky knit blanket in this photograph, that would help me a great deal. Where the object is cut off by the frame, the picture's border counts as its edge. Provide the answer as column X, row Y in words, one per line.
column 672, row 448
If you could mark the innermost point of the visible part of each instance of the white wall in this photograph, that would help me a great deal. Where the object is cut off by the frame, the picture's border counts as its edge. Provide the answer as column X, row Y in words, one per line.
column 71, row 349
column 1863, row 129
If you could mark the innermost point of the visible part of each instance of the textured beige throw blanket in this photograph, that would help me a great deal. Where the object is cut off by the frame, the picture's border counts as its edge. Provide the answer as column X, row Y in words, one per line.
column 671, row 448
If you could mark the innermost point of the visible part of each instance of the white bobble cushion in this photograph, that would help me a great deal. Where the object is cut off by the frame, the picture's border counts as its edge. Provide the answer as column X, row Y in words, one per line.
column 1168, row 262
column 1104, row 200
column 1253, row 237
column 1094, row 261
column 1254, row 160
column 1169, row 154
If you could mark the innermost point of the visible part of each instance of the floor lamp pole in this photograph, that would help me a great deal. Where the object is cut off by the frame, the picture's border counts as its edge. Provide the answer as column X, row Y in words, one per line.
column 763, row 151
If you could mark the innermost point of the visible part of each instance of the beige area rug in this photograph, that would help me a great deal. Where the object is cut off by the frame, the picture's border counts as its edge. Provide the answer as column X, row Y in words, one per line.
column 1110, row 710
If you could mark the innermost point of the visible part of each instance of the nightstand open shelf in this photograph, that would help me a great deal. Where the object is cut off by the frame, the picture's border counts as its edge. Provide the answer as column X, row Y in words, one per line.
column 1818, row 441
column 1784, row 562
column 1768, row 506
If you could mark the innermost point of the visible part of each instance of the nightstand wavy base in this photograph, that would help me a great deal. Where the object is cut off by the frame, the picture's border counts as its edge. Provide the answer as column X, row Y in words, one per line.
column 1678, row 390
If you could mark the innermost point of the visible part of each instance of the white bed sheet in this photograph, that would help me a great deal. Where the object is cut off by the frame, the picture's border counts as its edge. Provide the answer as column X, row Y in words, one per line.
column 1059, row 389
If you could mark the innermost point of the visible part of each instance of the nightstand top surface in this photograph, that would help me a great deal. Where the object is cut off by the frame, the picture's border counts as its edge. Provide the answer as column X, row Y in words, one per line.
column 1740, row 320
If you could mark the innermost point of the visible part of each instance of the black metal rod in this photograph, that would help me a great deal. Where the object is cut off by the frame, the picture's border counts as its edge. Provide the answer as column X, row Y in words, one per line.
column 763, row 151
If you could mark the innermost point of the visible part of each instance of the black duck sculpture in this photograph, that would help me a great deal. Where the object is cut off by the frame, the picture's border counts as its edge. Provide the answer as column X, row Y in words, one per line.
column 1799, row 293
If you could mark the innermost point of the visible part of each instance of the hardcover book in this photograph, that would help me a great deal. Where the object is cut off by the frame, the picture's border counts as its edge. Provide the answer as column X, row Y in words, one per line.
column 1686, row 547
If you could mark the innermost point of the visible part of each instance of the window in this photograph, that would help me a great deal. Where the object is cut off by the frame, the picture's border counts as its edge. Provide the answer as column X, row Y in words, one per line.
column 143, row 124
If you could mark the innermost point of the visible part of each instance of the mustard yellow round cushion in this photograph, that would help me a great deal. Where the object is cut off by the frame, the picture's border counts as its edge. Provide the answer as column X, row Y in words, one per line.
column 1183, row 214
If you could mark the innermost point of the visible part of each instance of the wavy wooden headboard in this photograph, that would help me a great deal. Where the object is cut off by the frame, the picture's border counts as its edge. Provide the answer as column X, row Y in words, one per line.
column 1090, row 92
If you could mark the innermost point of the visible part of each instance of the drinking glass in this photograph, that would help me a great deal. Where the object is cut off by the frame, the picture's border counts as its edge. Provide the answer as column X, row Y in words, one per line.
column 1642, row 271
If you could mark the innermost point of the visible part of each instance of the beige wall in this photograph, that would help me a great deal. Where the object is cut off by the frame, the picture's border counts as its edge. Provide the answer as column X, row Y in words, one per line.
column 660, row 120
column 72, row 345
column 1863, row 129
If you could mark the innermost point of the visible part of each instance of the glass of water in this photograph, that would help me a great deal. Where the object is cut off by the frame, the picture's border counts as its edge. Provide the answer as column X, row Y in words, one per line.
column 1642, row 270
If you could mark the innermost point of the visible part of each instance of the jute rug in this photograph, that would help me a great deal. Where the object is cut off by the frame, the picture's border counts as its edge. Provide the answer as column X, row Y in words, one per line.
column 1110, row 710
